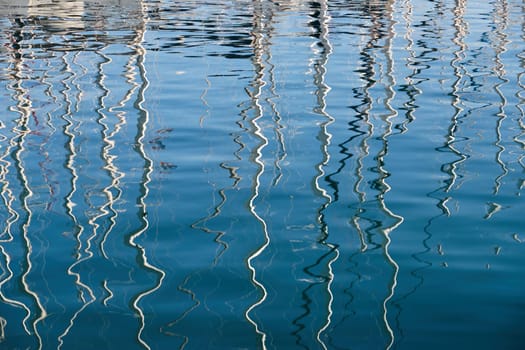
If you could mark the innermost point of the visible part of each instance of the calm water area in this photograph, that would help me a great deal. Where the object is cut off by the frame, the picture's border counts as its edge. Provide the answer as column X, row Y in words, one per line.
column 321, row 174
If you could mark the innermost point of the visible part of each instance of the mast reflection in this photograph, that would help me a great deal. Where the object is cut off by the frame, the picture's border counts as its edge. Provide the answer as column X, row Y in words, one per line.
column 322, row 49
column 255, row 95
column 500, row 18
column 519, row 138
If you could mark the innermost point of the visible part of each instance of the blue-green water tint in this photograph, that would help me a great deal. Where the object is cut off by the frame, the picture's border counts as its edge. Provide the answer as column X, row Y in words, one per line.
column 253, row 174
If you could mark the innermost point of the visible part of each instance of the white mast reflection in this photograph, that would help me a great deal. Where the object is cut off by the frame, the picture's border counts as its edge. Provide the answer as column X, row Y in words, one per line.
column 148, row 169
column 411, row 61
column 392, row 113
column 501, row 18
column 258, row 84
column 521, row 104
column 322, row 91
column 459, row 72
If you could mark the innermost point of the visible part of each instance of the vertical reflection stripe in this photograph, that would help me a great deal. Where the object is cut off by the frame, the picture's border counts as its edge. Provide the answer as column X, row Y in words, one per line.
column 146, row 179
column 258, row 84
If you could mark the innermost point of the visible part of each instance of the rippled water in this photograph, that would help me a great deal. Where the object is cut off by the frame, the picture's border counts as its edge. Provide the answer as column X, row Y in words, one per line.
column 257, row 174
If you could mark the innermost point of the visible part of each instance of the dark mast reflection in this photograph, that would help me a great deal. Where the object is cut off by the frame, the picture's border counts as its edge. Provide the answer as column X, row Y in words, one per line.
column 322, row 50
column 374, row 221
column 390, row 114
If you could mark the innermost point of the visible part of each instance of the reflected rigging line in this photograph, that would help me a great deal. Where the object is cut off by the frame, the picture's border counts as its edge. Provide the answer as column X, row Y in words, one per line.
column 259, row 83
column 201, row 224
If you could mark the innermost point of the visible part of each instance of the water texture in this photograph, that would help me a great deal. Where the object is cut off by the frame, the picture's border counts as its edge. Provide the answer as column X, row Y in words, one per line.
column 262, row 175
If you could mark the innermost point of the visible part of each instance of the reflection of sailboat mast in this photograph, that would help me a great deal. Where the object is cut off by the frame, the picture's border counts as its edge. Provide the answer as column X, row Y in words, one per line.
column 258, row 84
column 459, row 72
column 411, row 86
column 321, row 23
column 500, row 19
column 392, row 113
column 146, row 178
column 521, row 104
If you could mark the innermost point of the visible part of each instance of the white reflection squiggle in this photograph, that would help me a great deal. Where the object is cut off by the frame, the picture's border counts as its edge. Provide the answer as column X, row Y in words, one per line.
column 500, row 19
column 148, row 169
column 521, row 105
column 392, row 113
column 459, row 72
column 282, row 152
column 117, row 175
column 322, row 91
column 259, row 83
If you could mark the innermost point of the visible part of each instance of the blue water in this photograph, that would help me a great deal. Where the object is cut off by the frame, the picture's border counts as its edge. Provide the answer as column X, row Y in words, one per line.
column 262, row 175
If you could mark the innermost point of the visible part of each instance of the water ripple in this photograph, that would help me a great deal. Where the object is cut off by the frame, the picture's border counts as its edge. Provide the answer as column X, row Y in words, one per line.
column 289, row 174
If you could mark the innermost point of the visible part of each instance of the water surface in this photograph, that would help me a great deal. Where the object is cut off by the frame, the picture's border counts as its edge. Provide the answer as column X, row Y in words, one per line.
column 262, row 175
